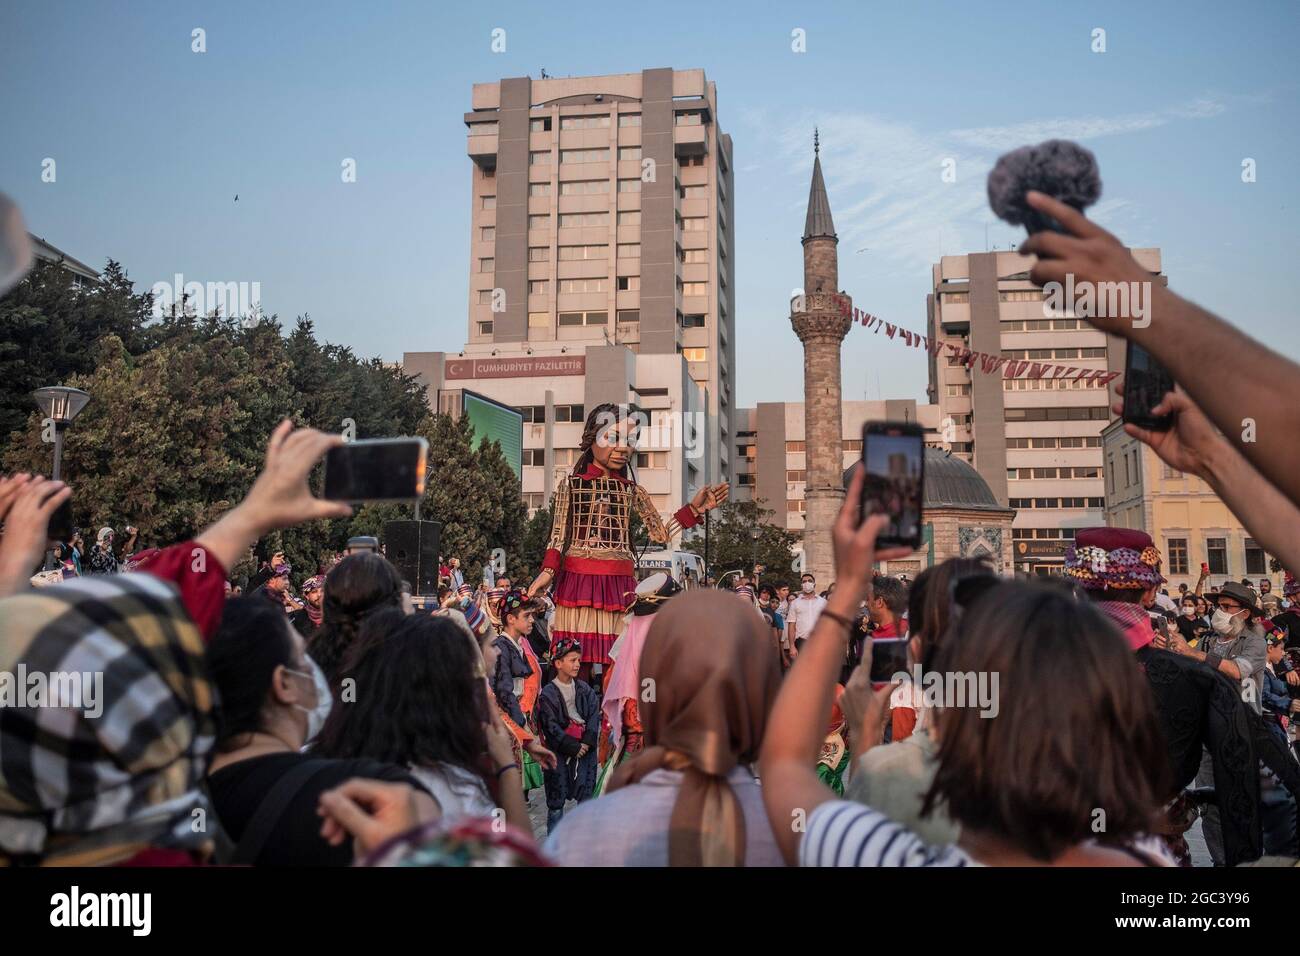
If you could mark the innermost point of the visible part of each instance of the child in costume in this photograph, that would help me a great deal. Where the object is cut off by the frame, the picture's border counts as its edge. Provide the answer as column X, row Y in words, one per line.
column 568, row 713
column 517, row 684
column 589, row 556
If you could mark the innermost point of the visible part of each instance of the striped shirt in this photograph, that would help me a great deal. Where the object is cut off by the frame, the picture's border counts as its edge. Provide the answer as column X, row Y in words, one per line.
column 842, row 833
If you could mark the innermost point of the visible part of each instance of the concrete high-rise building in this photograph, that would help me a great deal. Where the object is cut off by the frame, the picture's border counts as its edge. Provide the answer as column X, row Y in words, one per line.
column 601, row 270
column 1035, row 441
column 821, row 317
column 602, row 215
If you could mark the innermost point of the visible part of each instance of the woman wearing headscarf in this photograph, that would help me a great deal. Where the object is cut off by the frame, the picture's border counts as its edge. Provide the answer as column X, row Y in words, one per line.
column 688, row 798
column 111, row 778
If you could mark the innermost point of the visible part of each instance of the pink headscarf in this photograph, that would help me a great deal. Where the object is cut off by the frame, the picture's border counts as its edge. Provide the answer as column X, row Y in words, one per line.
column 625, row 679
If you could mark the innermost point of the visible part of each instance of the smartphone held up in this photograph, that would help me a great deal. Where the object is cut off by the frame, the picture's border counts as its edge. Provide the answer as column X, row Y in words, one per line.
column 1146, row 383
column 893, row 459
column 376, row 469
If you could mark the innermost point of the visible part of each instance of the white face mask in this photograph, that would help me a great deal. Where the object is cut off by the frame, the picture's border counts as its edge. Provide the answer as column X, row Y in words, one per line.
column 316, row 716
column 807, row 587
column 1189, row 612
column 1224, row 623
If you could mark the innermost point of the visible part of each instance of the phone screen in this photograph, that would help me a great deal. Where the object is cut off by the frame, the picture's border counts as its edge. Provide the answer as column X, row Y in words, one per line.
column 381, row 469
column 893, row 455
column 888, row 657
column 1146, row 382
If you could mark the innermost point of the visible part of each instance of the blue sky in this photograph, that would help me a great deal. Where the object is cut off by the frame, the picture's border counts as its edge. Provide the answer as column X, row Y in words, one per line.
column 153, row 141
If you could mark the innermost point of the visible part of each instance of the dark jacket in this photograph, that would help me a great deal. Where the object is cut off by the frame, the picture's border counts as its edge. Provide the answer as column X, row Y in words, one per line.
column 552, row 718
column 1200, row 708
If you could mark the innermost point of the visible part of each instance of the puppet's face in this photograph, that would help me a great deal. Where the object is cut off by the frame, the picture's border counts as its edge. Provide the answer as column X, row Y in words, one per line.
column 614, row 443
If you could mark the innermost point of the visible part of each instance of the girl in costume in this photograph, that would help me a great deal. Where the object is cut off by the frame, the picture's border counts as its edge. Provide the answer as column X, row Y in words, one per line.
column 589, row 556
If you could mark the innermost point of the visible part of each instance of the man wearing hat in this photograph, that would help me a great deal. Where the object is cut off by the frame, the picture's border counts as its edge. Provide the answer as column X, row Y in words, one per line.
column 1238, row 649
column 307, row 619
column 1205, row 721
column 276, row 588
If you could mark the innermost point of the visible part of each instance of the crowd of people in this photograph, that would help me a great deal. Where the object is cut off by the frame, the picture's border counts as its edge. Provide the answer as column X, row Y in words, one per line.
column 1088, row 719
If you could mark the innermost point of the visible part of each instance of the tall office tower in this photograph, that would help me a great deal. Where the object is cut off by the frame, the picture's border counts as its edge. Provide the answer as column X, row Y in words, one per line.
column 602, row 216
column 1036, row 441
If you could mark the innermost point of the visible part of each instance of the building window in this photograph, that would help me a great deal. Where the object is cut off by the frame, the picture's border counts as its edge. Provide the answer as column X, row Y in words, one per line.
column 487, row 234
column 629, row 315
column 652, row 459
column 630, row 217
column 584, row 187
column 485, row 328
column 570, row 413
column 539, row 124
column 533, row 413
column 1177, row 550
column 745, row 480
column 484, row 296
column 488, row 264
column 695, row 256
column 695, row 288
column 694, row 321
column 539, row 253
column 956, row 391
column 489, row 202
column 539, row 189
column 629, row 119
column 571, row 220
column 575, row 253
column 1254, row 557
column 585, row 122
column 695, row 355
column 583, row 318
column 794, row 447
column 629, row 283
column 1216, row 555
column 584, row 155
column 629, row 152
column 629, row 250
column 539, row 286
column 796, row 474
column 582, row 285
column 695, row 224
column 629, row 185
column 794, row 506
column 539, row 320
column 695, row 192
column 539, row 157
column 539, row 222
column 534, row 457
column 688, row 119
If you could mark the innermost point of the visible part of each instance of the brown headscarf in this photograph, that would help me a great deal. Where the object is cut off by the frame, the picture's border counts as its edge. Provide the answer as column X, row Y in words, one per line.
column 715, row 678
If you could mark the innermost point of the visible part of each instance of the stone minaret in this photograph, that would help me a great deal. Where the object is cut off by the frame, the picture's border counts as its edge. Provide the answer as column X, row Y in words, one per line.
column 821, row 320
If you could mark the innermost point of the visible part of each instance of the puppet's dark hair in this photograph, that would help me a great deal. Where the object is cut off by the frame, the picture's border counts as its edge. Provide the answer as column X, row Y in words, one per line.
column 1057, row 167
column 600, row 417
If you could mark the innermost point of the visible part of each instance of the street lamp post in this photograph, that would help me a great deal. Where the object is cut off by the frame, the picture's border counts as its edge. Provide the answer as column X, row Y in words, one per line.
column 60, row 405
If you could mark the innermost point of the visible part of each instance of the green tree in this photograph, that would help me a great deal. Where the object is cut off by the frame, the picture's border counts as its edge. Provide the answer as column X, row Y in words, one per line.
column 49, row 328
column 742, row 534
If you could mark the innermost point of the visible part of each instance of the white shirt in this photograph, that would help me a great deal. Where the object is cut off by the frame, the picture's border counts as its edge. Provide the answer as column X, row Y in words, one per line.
column 459, row 793
column 569, row 694
column 804, row 611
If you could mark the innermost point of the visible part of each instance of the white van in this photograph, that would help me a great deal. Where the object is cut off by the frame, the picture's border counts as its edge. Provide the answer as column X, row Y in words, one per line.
column 686, row 567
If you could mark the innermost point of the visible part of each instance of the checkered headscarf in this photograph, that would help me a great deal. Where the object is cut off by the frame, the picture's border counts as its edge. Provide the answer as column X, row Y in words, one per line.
column 97, row 789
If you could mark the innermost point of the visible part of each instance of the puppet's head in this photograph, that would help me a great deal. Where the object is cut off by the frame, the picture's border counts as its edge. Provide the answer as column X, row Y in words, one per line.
column 609, row 437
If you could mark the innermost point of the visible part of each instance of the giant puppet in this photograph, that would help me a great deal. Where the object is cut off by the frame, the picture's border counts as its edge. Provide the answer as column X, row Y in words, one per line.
column 589, row 558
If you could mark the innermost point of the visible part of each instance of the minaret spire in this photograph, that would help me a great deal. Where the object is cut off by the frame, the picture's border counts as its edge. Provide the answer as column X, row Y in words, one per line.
column 819, row 224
